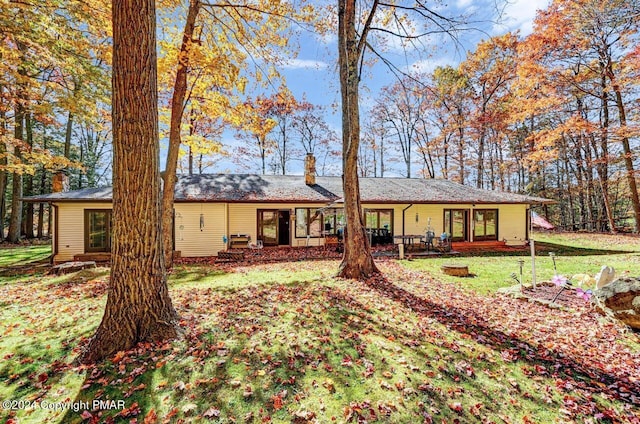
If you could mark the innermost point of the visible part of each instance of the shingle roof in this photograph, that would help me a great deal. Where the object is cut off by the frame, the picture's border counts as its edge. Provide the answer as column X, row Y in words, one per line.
column 292, row 188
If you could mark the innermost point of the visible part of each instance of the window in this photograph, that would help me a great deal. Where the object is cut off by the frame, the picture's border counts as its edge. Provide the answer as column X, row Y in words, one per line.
column 485, row 224
column 268, row 227
column 455, row 224
column 379, row 218
column 334, row 221
column 97, row 230
column 309, row 222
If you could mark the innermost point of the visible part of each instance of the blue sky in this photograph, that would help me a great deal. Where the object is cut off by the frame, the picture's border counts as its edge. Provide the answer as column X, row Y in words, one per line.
column 313, row 73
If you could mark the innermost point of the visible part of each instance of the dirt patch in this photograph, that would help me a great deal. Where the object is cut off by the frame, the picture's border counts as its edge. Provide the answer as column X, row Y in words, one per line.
column 567, row 298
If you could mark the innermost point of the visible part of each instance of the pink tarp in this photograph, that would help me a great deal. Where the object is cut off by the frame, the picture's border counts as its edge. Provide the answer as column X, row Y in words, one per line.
column 540, row 222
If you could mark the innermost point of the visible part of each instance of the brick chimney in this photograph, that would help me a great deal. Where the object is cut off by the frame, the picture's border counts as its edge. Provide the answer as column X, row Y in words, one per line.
column 310, row 169
column 60, row 182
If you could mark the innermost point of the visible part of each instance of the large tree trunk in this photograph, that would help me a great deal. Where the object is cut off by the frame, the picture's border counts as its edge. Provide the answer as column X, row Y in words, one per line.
column 357, row 262
column 628, row 156
column 15, row 220
column 43, row 187
column 3, row 164
column 138, row 306
column 28, row 184
column 177, row 111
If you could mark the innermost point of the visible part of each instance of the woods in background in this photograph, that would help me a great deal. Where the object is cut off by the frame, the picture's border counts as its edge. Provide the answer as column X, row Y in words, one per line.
column 553, row 114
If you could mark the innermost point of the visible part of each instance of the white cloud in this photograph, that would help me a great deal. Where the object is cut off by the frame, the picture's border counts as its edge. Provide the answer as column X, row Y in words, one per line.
column 463, row 4
column 305, row 64
column 519, row 15
column 327, row 38
column 426, row 66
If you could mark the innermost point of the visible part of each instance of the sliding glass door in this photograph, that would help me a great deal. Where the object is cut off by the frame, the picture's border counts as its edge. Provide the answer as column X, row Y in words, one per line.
column 268, row 227
column 485, row 224
column 456, row 224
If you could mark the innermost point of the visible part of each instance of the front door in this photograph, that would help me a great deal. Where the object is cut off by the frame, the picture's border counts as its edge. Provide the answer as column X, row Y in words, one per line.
column 456, row 223
column 283, row 228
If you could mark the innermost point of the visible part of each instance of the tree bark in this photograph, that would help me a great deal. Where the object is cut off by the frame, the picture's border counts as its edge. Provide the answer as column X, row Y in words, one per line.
column 138, row 308
column 628, row 154
column 43, row 186
column 3, row 164
column 28, row 184
column 15, row 220
column 357, row 262
column 177, row 111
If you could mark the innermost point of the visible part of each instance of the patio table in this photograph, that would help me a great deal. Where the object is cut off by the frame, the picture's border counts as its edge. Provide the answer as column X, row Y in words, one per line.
column 409, row 239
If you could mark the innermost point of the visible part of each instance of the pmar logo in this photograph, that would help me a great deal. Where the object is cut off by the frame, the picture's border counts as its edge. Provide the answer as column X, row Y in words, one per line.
column 107, row 404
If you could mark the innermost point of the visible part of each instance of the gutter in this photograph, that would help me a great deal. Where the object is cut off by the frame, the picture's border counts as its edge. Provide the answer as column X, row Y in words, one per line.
column 54, row 248
column 403, row 216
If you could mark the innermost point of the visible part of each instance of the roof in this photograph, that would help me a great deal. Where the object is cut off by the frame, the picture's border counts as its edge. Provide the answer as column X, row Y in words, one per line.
column 234, row 188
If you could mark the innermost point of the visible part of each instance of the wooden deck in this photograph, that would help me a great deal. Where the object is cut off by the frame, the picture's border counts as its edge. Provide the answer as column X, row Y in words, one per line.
column 493, row 245
column 98, row 257
column 105, row 257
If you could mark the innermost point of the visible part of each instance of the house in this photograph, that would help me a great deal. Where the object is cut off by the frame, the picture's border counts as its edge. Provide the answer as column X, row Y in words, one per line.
column 288, row 210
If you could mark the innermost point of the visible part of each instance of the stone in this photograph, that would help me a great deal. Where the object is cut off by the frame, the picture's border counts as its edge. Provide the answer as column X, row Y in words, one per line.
column 68, row 267
column 583, row 280
column 605, row 276
column 455, row 270
column 621, row 299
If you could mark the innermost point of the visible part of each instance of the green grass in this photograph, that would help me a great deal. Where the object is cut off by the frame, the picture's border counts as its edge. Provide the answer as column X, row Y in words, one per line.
column 574, row 254
column 289, row 343
column 15, row 256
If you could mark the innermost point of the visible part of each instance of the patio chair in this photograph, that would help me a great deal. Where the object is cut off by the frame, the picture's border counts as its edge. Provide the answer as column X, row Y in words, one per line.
column 428, row 240
column 258, row 246
column 331, row 241
column 444, row 243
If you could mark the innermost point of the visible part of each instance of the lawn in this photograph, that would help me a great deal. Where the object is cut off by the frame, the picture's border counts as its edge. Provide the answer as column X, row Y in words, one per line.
column 289, row 342
column 574, row 254
column 21, row 255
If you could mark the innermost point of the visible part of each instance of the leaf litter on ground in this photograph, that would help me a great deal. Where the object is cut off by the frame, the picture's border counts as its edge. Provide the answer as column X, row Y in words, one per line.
column 399, row 348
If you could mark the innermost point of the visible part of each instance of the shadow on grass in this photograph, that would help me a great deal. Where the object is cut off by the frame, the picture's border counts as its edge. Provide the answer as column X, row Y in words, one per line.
column 251, row 345
column 307, row 340
column 543, row 248
column 591, row 380
column 36, row 368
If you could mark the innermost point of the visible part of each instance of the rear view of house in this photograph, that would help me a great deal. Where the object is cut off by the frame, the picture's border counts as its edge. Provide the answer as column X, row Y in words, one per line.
column 277, row 210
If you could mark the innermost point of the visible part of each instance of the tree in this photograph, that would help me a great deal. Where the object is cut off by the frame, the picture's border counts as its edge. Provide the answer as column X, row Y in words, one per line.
column 138, row 304
column 579, row 53
column 357, row 262
column 257, row 126
column 315, row 136
column 401, row 109
column 490, row 68
column 46, row 48
column 281, row 108
column 227, row 35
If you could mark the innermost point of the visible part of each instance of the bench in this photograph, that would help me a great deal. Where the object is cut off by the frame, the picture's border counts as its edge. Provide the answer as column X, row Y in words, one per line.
column 239, row 241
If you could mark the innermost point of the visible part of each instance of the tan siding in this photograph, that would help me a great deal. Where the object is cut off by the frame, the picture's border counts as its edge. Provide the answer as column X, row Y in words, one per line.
column 431, row 216
column 243, row 218
column 512, row 221
column 191, row 239
column 71, row 228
